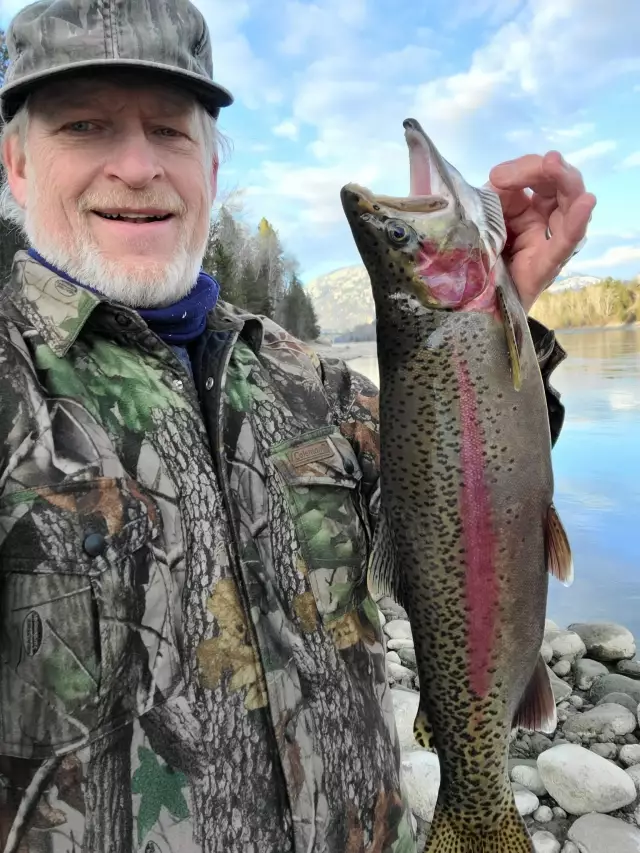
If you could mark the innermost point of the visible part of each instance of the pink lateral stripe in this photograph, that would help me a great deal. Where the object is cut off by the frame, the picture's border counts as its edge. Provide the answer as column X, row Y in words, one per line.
column 481, row 583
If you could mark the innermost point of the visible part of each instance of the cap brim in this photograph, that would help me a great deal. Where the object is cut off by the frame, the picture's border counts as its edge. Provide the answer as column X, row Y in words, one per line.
column 212, row 96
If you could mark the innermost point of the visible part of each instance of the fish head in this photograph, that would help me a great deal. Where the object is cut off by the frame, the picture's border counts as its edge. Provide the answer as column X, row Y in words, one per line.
column 436, row 248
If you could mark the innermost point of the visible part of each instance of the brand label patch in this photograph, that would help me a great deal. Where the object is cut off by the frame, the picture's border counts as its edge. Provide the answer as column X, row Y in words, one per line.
column 310, row 453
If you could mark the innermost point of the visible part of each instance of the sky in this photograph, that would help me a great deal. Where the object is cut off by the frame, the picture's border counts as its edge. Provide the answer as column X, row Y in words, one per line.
column 321, row 89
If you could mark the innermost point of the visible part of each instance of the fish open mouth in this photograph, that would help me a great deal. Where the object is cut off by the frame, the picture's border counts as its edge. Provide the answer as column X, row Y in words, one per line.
column 408, row 204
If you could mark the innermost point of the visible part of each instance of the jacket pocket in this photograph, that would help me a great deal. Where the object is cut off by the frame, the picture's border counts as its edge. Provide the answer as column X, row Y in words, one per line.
column 86, row 629
column 321, row 476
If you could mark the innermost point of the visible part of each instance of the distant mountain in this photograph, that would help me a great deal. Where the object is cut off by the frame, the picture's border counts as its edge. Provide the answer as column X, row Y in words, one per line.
column 343, row 299
column 573, row 282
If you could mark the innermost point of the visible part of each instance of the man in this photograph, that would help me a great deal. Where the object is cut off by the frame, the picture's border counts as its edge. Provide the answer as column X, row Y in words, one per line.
column 189, row 656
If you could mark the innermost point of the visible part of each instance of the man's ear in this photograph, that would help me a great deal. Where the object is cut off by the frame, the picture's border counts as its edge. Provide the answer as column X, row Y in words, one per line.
column 15, row 161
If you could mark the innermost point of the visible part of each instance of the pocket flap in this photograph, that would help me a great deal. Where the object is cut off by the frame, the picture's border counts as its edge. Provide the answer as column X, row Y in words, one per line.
column 69, row 525
column 322, row 457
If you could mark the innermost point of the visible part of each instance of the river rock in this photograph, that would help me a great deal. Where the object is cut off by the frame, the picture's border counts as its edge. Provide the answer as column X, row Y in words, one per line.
column 543, row 815
column 529, row 778
column 405, row 708
column 396, row 645
column 619, row 699
column 393, row 657
column 634, row 774
column 558, row 813
column 597, row 833
column 593, row 723
column 401, row 674
column 526, row 800
column 605, row 641
column 630, row 754
column 398, row 629
column 546, row 652
column 630, row 668
column 561, row 689
column 614, row 683
column 576, row 701
column 586, row 671
column 569, row 847
column 408, row 657
column 391, row 608
column 550, row 625
column 581, row 781
column 545, row 842
column 422, row 777
column 382, row 619
column 566, row 644
column 562, row 668
column 606, row 750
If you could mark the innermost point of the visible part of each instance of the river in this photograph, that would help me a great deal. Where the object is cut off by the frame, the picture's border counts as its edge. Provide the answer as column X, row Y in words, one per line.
column 597, row 473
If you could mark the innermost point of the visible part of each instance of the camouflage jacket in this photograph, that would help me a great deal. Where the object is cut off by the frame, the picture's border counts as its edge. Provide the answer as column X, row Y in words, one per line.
column 190, row 660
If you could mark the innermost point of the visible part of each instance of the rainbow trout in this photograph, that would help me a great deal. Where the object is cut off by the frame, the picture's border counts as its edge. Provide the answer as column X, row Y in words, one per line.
column 467, row 533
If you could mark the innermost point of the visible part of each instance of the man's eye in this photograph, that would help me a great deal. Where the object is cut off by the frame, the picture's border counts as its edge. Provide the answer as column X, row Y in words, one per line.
column 78, row 125
column 170, row 131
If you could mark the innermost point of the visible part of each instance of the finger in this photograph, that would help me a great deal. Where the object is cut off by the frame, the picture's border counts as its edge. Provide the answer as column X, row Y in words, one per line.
column 544, row 175
column 513, row 202
column 568, row 179
column 543, row 205
column 519, row 173
column 576, row 220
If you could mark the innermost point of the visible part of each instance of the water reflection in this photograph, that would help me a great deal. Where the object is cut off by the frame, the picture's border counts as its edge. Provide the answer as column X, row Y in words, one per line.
column 597, row 474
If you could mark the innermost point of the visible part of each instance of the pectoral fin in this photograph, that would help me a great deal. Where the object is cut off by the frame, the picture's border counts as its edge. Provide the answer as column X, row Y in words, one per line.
column 513, row 338
column 537, row 708
column 559, row 558
column 384, row 576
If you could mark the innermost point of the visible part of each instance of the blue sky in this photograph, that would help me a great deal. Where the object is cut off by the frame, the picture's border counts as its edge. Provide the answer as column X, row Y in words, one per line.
column 322, row 88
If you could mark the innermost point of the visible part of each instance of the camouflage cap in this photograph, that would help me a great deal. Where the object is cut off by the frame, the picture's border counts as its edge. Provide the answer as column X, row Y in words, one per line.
column 52, row 38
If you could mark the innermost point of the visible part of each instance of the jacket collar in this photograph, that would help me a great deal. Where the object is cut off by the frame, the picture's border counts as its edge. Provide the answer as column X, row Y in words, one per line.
column 35, row 297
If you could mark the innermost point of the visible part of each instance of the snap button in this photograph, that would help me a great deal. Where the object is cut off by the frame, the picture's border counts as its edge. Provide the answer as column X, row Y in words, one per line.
column 349, row 467
column 209, row 383
column 94, row 544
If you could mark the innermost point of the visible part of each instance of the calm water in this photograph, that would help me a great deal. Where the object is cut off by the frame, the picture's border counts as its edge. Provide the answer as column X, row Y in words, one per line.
column 597, row 474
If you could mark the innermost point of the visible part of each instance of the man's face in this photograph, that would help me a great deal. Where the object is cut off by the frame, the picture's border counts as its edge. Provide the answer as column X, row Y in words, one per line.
column 96, row 148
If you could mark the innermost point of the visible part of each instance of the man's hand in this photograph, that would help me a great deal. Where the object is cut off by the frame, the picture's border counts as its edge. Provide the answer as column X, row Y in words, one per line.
column 558, row 201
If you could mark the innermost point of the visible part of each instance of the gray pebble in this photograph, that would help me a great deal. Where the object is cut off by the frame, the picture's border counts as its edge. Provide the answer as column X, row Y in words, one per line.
column 558, row 813
column 606, row 750
column 562, row 668
column 543, row 814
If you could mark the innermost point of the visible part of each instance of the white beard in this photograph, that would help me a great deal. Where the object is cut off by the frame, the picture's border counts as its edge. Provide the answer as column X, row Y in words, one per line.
column 145, row 285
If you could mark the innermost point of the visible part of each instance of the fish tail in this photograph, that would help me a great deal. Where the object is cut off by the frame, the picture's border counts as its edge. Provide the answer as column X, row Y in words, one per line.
column 450, row 833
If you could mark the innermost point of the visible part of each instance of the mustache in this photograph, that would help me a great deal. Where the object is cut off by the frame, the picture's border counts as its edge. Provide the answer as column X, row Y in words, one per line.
column 117, row 199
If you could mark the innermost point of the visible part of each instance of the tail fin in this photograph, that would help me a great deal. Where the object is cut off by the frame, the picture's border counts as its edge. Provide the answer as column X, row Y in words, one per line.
column 451, row 833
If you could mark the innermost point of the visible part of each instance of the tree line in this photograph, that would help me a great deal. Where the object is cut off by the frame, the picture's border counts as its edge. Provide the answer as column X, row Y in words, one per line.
column 251, row 266
column 609, row 302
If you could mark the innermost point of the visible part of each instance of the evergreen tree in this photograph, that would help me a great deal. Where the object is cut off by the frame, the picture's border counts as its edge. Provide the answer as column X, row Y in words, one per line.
column 299, row 316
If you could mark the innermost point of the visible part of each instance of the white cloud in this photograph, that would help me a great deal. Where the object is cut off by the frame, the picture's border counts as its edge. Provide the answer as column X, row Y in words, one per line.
column 573, row 132
column 615, row 256
column 591, row 152
column 287, row 129
column 325, row 22
column 235, row 64
column 631, row 160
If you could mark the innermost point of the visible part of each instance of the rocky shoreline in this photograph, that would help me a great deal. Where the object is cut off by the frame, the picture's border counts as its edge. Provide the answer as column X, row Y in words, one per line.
column 578, row 789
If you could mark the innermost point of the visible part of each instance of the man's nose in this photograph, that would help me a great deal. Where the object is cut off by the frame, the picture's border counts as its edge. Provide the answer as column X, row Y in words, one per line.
column 134, row 159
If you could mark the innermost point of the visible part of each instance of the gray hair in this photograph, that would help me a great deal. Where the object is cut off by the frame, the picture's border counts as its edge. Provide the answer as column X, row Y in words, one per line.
column 19, row 126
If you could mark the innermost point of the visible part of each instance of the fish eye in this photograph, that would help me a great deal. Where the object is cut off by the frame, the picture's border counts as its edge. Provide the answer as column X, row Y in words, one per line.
column 398, row 232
